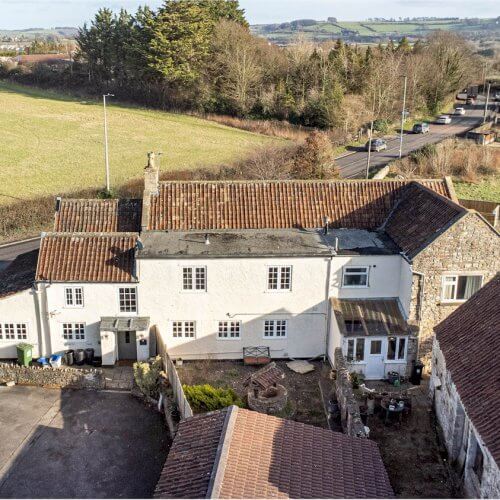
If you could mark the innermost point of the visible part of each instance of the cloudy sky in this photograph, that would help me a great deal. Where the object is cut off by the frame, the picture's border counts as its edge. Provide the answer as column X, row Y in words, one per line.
column 49, row 13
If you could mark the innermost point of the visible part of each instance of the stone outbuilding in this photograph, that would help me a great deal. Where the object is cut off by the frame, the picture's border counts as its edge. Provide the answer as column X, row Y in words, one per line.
column 465, row 386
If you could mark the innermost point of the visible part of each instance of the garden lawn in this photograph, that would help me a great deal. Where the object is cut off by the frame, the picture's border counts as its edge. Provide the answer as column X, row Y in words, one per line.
column 53, row 144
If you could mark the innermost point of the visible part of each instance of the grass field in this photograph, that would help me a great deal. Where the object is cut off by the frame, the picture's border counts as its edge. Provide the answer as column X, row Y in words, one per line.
column 53, row 144
column 486, row 190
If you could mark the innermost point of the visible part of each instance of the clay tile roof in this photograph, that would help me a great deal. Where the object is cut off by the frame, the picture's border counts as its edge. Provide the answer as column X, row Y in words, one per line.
column 184, row 206
column 192, row 457
column 419, row 217
column 375, row 316
column 470, row 342
column 98, row 216
column 19, row 275
column 261, row 456
column 87, row 257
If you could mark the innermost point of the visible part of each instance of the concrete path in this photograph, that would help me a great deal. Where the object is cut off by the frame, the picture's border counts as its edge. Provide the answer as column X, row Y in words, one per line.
column 79, row 444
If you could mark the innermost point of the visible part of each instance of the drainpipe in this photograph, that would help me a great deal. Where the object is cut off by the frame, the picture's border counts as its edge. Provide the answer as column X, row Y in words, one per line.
column 420, row 306
column 328, row 308
column 42, row 318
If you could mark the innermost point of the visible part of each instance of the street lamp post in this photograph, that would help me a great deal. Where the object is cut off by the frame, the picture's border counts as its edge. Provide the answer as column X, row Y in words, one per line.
column 486, row 103
column 106, row 156
column 368, row 158
column 403, row 119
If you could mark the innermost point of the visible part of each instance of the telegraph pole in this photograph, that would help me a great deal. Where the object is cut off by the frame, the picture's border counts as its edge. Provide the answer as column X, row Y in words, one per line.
column 487, row 102
column 403, row 119
column 106, row 156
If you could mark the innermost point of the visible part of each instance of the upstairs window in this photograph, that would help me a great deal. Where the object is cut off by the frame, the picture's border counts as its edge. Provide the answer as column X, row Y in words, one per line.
column 355, row 350
column 355, row 277
column 275, row 328
column 194, row 279
column 128, row 299
column 460, row 287
column 74, row 331
column 184, row 329
column 279, row 278
column 229, row 330
column 73, row 296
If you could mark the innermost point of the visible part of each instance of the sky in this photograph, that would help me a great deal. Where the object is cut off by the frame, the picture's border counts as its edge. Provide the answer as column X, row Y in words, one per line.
column 19, row 14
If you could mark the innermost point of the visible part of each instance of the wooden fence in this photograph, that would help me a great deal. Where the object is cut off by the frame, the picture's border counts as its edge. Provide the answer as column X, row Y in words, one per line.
column 183, row 405
column 490, row 210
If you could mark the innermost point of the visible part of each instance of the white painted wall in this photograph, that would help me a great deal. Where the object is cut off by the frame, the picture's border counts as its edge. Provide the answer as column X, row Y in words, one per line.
column 384, row 277
column 19, row 308
column 237, row 290
column 405, row 286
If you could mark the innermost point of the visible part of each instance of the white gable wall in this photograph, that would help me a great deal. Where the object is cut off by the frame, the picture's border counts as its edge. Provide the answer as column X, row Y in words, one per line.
column 19, row 308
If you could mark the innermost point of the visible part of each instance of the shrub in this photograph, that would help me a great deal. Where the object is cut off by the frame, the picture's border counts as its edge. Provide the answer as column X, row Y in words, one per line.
column 381, row 126
column 147, row 376
column 208, row 398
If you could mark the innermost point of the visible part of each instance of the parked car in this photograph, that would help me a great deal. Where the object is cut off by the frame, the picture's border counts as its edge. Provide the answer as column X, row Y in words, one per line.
column 377, row 145
column 470, row 100
column 459, row 111
column 443, row 120
column 421, row 128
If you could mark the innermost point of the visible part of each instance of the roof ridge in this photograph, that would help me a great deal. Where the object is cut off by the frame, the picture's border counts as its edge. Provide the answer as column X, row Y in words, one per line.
column 128, row 234
column 220, row 462
column 287, row 181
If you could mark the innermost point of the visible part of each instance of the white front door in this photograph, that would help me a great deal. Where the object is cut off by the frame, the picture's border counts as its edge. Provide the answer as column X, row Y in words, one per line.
column 375, row 359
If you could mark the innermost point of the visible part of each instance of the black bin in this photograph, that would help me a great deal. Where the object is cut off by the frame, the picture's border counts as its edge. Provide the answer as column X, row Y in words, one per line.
column 89, row 356
column 79, row 356
column 69, row 357
column 416, row 373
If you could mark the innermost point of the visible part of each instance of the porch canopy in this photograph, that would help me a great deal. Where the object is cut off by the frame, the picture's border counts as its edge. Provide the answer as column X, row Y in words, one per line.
column 124, row 324
column 370, row 317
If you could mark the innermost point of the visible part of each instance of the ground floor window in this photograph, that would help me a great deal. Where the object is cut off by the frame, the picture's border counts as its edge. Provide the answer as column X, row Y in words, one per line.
column 275, row 328
column 355, row 350
column 396, row 348
column 11, row 331
column 186, row 329
column 74, row 331
column 229, row 330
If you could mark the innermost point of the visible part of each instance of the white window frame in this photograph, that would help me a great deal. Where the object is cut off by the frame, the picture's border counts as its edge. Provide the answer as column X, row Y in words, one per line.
column 355, row 342
column 122, row 311
column 185, row 326
column 396, row 352
column 194, row 270
column 73, row 290
column 15, row 330
column 456, row 276
column 271, row 326
column 228, row 325
column 279, row 284
column 70, row 328
column 345, row 271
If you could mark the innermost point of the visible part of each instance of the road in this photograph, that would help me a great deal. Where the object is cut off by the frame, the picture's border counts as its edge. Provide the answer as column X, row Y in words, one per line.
column 353, row 165
column 10, row 251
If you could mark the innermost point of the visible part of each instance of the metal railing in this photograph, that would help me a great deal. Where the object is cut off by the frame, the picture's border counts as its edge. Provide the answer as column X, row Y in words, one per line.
column 183, row 405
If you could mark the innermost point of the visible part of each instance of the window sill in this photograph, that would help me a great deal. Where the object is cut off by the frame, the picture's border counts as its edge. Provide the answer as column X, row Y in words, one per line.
column 355, row 286
column 452, row 302
column 274, row 338
column 229, row 339
column 72, row 307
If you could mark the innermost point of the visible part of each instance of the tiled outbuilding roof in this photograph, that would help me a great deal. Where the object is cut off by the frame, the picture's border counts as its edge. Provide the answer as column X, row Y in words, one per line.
column 97, row 216
column 419, row 217
column 470, row 342
column 89, row 257
column 375, row 316
column 184, row 206
column 19, row 275
column 261, row 456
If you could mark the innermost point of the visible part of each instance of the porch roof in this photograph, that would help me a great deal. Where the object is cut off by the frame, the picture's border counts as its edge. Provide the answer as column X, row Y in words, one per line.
column 124, row 323
column 372, row 317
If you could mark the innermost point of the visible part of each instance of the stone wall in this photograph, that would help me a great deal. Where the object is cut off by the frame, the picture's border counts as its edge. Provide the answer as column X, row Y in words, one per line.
column 349, row 407
column 470, row 245
column 71, row 378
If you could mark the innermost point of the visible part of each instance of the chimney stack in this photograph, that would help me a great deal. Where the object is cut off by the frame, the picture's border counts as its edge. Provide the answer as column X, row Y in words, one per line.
column 151, row 188
column 151, row 175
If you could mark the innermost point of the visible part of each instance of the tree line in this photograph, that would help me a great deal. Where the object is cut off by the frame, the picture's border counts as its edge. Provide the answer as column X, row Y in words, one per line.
column 200, row 55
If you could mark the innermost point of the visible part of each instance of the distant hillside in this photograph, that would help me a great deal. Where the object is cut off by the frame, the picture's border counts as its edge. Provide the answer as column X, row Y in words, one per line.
column 374, row 31
column 32, row 33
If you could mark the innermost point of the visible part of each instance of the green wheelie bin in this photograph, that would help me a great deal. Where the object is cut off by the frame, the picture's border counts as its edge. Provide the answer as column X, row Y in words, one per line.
column 24, row 354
